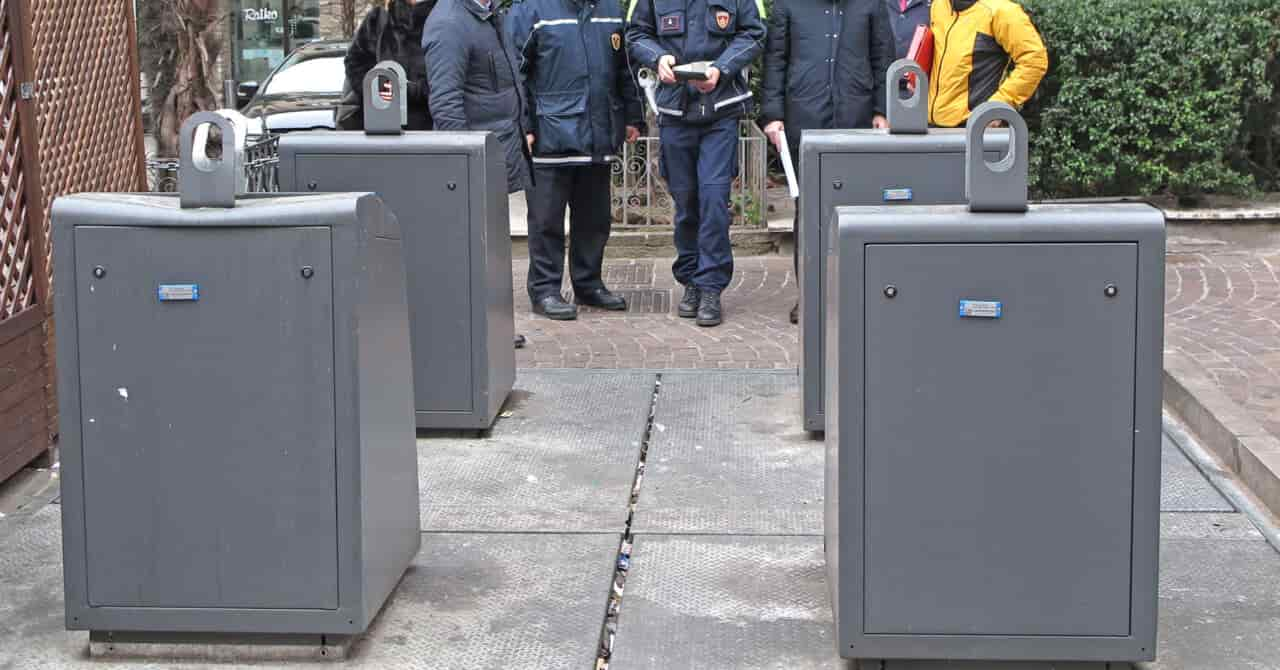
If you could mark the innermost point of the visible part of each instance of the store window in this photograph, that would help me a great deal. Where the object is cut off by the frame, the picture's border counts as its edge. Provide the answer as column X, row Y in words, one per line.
column 265, row 31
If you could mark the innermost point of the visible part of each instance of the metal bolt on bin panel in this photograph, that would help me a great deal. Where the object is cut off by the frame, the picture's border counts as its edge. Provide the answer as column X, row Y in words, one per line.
column 909, row 164
column 450, row 193
column 993, row 427
column 234, row 407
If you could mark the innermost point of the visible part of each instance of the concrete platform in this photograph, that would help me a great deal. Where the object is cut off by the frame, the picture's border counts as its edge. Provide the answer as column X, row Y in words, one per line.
column 526, row 601
column 726, row 571
column 727, row 456
column 715, row 601
column 561, row 458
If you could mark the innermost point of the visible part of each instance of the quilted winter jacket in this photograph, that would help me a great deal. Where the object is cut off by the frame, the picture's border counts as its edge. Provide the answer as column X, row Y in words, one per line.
column 730, row 33
column 982, row 50
column 581, row 95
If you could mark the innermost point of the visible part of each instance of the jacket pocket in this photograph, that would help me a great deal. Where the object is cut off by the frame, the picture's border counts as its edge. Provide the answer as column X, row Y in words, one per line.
column 562, row 122
column 671, row 99
column 722, row 19
column 670, row 16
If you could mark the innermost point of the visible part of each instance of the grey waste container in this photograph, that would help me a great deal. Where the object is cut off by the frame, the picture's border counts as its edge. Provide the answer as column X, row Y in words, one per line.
column 237, row 434
column 449, row 191
column 993, row 427
column 906, row 165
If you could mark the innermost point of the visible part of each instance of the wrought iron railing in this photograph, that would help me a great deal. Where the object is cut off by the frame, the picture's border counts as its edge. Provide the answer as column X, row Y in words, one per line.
column 639, row 193
column 261, row 169
column 641, row 196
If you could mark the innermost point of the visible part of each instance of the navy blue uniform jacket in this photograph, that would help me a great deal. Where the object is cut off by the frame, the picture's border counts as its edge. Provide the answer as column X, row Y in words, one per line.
column 573, row 66
column 728, row 32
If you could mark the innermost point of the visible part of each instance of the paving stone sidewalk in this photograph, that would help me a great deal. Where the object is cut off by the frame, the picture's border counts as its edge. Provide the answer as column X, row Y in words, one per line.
column 1222, row 309
column 755, row 335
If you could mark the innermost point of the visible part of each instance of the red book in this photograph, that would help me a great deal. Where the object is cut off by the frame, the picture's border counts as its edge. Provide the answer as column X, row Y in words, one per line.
column 921, row 51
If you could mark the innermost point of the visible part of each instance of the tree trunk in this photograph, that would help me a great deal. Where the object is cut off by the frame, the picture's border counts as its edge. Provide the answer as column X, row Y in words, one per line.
column 348, row 18
column 194, row 25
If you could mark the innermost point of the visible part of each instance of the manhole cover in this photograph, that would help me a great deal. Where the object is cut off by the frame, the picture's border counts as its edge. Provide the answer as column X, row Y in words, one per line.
column 641, row 301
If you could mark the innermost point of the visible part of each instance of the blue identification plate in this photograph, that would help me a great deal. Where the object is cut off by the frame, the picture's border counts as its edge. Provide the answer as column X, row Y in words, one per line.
column 981, row 309
column 178, row 292
column 897, row 194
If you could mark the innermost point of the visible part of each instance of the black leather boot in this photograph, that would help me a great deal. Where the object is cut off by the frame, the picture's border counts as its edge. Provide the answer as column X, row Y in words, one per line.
column 709, row 309
column 688, row 307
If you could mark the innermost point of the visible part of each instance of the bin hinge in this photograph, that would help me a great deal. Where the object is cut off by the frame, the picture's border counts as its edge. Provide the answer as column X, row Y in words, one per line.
column 27, row 90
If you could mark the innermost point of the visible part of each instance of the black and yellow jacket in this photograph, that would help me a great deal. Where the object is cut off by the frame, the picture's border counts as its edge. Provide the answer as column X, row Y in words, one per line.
column 982, row 50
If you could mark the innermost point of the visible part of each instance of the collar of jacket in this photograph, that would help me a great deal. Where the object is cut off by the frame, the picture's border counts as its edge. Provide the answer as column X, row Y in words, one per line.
column 959, row 6
column 479, row 12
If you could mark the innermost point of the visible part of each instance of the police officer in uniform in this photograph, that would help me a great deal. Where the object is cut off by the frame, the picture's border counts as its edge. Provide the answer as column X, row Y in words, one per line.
column 698, row 128
column 583, row 103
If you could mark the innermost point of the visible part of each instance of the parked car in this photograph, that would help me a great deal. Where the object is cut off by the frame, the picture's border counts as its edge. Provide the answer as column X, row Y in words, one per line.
column 300, row 93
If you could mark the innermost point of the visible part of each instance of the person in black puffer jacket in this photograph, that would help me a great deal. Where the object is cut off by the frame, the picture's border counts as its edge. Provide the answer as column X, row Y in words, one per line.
column 391, row 31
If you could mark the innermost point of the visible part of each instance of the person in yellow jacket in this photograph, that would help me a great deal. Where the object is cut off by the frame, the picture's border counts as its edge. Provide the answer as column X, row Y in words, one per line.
column 982, row 50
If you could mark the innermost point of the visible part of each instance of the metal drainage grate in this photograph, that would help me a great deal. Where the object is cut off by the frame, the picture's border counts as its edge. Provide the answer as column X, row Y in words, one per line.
column 630, row 274
column 641, row 301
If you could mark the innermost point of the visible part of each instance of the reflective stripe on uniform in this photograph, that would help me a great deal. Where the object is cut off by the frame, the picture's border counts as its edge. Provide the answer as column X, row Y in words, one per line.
column 564, row 160
column 735, row 99
column 554, row 22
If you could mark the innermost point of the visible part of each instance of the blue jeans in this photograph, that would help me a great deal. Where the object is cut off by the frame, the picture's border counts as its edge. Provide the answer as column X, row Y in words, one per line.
column 699, row 163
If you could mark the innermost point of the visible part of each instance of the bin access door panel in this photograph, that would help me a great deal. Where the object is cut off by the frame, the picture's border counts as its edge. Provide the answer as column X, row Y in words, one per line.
column 437, row 259
column 207, row 393
column 998, row 439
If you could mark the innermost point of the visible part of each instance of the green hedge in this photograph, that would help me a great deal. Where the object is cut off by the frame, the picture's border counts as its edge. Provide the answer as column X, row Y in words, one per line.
column 1156, row 96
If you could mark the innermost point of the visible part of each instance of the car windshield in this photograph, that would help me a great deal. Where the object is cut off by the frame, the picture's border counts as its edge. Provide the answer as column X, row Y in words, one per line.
column 322, row 75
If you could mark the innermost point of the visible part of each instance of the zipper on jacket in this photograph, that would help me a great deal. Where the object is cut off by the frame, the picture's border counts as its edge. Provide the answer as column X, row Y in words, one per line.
column 584, row 24
column 936, row 84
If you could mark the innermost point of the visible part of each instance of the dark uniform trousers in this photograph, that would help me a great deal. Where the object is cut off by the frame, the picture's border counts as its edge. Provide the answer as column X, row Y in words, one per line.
column 584, row 189
column 699, row 162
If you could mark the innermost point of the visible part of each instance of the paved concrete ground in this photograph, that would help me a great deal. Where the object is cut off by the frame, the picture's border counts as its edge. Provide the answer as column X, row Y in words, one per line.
column 521, row 580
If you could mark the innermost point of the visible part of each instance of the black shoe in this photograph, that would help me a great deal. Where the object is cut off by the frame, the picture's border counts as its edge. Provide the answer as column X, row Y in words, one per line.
column 709, row 309
column 795, row 313
column 555, row 308
column 519, row 341
column 688, row 307
column 602, row 298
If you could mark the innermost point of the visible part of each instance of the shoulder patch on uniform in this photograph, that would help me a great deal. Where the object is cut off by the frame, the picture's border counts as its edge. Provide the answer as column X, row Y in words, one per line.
column 671, row 23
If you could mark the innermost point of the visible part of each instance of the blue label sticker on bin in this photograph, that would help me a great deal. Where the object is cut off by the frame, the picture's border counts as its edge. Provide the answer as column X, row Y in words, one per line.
column 981, row 309
column 897, row 195
column 178, row 292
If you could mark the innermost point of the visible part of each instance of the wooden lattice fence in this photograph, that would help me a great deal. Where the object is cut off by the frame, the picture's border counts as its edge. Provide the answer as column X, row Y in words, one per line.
column 70, row 121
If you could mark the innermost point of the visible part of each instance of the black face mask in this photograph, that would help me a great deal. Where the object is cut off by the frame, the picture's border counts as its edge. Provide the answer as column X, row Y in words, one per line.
column 961, row 5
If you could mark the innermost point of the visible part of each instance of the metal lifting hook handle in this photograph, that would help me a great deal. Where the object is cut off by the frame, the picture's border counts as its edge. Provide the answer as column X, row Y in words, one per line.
column 386, row 113
column 203, row 181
